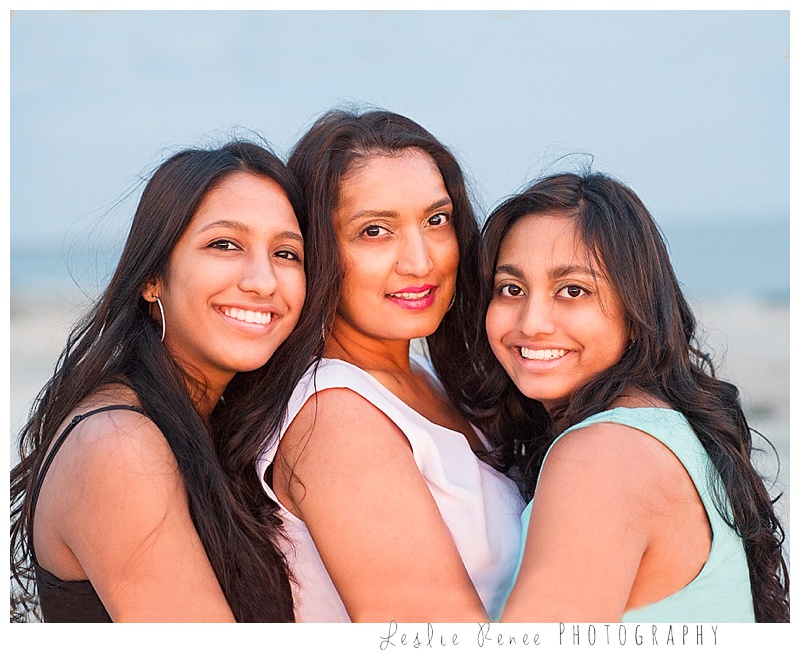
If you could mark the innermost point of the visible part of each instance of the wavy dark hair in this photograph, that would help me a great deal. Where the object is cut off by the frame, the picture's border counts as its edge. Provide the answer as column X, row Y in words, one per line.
column 117, row 341
column 339, row 143
column 665, row 362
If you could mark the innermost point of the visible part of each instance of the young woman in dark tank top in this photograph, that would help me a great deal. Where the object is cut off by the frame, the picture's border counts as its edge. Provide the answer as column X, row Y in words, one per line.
column 130, row 502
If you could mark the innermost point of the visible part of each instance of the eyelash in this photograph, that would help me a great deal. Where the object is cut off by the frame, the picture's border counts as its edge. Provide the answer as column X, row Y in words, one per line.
column 583, row 290
column 228, row 245
column 445, row 216
column 219, row 244
column 503, row 290
column 284, row 254
column 364, row 230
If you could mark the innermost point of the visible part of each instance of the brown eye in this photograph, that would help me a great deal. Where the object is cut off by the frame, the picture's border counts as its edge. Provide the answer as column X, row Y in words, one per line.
column 509, row 290
column 438, row 219
column 373, row 230
column 572, row 291
column 288, row 255
column 223, row 245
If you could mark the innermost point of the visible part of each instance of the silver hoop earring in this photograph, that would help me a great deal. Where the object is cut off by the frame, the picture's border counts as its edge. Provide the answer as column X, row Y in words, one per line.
column 163, row 320
column 452, row 301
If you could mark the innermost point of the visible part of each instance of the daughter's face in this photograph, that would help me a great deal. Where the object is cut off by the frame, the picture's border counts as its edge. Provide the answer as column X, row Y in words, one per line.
column 554, row 321
column 235, row 283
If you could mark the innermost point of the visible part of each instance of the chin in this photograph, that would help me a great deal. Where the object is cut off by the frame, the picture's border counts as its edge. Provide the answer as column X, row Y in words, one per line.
column 546, row 397
column 248, row 363
column 426, row 330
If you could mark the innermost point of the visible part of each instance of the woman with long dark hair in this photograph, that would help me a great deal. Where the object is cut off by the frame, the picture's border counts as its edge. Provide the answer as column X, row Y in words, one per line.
column 122, row 505
column 390, row 510
column 646, row 506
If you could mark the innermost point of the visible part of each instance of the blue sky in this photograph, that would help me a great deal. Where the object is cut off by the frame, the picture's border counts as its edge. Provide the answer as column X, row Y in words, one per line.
column 691, row 108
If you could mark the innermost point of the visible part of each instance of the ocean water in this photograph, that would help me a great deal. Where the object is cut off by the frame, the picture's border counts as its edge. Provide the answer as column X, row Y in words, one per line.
column 732, row 260
column 710, row 259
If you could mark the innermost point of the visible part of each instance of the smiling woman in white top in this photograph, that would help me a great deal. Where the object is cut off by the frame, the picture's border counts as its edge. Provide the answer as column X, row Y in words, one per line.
column 389, row 497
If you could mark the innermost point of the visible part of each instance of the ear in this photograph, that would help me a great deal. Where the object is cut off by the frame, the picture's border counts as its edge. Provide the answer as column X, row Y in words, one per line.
column 151, row 290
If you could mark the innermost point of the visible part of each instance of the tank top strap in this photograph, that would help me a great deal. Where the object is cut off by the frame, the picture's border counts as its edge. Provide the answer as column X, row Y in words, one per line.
column 37, row 486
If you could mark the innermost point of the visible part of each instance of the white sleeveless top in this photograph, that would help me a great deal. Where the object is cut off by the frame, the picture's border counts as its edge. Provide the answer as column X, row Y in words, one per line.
column 480, row 505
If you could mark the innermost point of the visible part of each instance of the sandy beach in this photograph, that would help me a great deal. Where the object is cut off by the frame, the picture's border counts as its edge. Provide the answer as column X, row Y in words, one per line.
column 749, row 341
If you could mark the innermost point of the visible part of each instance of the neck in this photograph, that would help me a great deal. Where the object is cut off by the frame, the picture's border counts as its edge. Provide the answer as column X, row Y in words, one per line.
column 204, row 391
column 367, row 352
column 205, row 403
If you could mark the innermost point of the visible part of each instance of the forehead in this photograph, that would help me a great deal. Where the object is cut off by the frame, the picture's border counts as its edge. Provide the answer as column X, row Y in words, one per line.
column 246, row 197
column 383, row 176
column 544, row 239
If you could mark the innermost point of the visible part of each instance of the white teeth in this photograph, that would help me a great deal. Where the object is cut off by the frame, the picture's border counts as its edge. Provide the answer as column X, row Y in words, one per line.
column 542, row 355
column 410, row 296
column 257, row 317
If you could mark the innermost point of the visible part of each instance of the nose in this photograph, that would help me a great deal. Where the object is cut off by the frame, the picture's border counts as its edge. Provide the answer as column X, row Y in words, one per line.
column 537, row 316
column 414, row 256
column 258, row 275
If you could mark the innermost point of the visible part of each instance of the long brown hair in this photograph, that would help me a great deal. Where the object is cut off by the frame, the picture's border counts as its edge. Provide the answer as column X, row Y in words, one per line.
column 118, row 341
column 666, row 362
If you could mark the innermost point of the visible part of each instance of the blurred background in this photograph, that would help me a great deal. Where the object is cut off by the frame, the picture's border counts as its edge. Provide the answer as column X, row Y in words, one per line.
column 690, row 108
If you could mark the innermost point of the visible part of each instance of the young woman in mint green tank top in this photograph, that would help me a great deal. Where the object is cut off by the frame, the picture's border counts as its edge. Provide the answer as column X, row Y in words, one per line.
column 646, row 506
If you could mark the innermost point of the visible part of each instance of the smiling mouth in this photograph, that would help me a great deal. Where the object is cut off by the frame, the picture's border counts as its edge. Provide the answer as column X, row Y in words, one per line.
column 409, row 295
column 541, row 355
column 248, row 316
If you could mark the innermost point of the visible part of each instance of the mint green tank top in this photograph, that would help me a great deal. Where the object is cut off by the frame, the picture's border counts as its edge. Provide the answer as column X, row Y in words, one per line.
column 720, row 593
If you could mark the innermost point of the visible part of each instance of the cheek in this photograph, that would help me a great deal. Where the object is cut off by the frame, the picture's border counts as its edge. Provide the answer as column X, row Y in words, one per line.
column 294, row 295
column 295, row 283
column 350, row 281
column 616, row 340
column 362, row 266
column 496, row 327
column 448, row 255
column 180, row 288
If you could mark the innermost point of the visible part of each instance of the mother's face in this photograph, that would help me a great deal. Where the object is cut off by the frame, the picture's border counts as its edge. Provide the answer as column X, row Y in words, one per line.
column 396, row 235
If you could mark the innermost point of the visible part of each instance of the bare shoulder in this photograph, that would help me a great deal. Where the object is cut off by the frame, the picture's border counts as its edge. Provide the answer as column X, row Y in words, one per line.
column 614, row 459
column 608, row 465
column 119, row 451
column 115, row 478
column 120, row 438
column 339, row 418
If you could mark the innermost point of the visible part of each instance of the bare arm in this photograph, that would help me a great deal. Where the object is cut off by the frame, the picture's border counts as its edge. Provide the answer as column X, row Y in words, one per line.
column 590, row 527
column 116, row 508
column 380, row 534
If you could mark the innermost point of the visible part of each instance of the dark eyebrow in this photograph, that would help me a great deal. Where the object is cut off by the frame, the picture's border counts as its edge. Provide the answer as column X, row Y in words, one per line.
column 573, row 269
column 227, row 223
column 555, row 273
column 291, row 234
column 441, row 203
column 509, row 269
column 393, row 214
column 243, row 228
